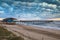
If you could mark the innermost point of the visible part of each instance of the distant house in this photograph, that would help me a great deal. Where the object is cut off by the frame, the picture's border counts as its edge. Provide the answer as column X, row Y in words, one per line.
column 9, row 20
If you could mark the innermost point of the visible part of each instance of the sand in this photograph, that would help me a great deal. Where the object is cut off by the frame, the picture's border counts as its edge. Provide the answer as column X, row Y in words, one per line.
column 33, row 33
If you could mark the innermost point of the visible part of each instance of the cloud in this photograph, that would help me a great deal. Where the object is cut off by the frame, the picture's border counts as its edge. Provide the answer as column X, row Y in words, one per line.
column 1, row 12
column 5, row 5
column 28, row 16
column 35, row 18
column 44, row 4
column 31, row 10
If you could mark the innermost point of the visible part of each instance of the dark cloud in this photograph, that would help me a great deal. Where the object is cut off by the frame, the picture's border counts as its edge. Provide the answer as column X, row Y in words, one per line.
column 57, row 2
column 25, row 0
column 52, row 2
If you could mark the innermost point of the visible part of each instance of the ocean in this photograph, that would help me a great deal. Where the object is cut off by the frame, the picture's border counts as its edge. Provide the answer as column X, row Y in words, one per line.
column 51, row 25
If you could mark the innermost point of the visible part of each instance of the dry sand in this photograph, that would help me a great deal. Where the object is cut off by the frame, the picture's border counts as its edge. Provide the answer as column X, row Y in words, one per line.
column 33, row 33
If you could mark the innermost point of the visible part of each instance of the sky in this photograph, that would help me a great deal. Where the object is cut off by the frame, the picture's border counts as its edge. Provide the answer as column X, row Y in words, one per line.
column 30, row 9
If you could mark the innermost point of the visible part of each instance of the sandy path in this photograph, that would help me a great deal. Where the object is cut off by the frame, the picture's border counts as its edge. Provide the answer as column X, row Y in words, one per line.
column 33, row 33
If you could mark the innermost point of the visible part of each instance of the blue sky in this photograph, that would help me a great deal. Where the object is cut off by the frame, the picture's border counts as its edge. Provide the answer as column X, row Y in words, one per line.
column 30, row 9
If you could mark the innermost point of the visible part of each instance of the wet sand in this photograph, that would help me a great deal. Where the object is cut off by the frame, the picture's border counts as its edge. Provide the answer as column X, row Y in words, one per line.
column 33, row 33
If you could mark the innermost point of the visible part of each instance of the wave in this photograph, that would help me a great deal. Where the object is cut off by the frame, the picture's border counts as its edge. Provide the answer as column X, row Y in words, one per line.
column 51, row 25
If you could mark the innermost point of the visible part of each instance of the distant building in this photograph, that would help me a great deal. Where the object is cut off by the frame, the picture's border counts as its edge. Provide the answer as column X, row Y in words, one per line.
column 1, row 19
column 9, row 20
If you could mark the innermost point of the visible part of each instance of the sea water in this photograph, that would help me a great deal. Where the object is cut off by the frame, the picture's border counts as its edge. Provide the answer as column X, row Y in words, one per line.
column 51, row 25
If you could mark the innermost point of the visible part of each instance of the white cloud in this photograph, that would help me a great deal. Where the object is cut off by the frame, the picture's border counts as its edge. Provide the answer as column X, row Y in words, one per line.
column 53, row 6
column 5, row 5
column 49, row 10
column 24, row 3
column 35, row 18
column 58, row 1
column 33, row 3
column 19, row 2
column 1, row 12
column 16, row 2
column 46, row 15
column 44, row 4
column 28, row 16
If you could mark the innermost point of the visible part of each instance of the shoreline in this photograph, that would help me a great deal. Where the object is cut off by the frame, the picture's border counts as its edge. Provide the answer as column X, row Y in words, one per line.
column 41, row 26
column 36, row 27
column 51, row 32
column 34, row 32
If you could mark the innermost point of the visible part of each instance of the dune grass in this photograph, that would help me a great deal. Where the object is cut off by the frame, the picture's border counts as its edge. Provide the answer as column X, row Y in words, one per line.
column 6, row 35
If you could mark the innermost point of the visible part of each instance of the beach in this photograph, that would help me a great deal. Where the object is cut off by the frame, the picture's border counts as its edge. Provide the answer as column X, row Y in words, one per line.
column 29, row 19
column 33, row 33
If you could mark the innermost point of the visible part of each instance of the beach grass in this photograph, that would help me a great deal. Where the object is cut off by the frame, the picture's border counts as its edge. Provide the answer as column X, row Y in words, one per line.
column 7, row 35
